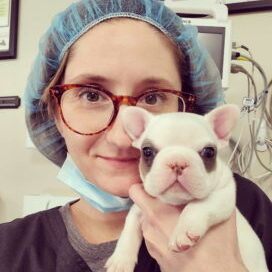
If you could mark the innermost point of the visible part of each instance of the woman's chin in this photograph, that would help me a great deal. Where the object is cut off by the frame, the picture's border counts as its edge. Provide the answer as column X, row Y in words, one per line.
column 117, row 184
column 120, row 188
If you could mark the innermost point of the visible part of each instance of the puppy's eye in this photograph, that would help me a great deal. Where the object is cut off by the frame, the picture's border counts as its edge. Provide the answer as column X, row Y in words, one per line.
column 208, row 152
column 148, row 152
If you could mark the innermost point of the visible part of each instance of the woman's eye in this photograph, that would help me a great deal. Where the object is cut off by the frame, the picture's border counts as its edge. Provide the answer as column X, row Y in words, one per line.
column 152, row 99
column 91, row 95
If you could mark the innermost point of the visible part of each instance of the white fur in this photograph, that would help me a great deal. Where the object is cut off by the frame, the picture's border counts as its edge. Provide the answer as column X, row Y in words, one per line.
column 209, row 195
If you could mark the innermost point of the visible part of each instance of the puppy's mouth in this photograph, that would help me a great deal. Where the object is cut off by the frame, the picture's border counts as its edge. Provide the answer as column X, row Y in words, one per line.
column 175, row 187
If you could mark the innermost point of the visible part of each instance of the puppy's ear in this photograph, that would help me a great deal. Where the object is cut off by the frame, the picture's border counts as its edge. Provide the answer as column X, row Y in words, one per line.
column 223, row 120
column 135, row 120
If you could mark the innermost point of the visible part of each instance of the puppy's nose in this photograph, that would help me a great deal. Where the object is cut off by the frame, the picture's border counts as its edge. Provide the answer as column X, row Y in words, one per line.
column 178, row 168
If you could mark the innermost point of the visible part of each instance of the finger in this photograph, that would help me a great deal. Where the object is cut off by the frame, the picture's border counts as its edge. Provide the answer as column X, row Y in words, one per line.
column 141, row 198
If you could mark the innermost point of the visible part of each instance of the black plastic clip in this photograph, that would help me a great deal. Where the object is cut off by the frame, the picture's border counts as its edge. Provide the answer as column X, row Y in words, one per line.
column 10, row 102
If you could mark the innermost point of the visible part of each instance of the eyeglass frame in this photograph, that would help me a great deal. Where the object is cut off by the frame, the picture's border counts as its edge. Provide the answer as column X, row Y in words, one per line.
column 57, row 91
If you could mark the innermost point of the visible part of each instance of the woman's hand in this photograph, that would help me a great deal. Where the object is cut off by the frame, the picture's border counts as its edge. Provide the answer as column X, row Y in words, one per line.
column 217, row 251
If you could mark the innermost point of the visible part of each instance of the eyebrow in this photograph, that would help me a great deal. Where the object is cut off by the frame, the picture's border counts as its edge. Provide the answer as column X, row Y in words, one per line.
column 87, row 78
column 159, row 81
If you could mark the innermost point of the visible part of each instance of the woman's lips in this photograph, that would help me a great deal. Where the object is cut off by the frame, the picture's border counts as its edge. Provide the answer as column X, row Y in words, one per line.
column 119, row 162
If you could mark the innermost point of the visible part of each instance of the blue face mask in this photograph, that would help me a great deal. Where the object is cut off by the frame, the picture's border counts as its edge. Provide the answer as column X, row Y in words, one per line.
column 102, row 201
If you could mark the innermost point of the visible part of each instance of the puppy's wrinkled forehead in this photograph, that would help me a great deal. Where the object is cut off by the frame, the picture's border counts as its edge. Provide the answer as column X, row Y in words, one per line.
column 177, row 129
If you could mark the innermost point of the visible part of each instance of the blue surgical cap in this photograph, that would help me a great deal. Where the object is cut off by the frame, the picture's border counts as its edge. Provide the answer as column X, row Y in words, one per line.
column 201, row 78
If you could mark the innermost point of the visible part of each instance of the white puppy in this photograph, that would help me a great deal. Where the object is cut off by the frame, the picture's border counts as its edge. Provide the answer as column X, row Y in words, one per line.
column 179, row 165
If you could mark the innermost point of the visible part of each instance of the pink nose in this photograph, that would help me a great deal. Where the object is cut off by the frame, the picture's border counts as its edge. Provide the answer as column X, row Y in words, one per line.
column 178, row 168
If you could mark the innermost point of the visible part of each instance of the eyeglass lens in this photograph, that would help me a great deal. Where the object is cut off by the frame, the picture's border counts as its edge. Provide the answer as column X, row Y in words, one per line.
column 89, row 110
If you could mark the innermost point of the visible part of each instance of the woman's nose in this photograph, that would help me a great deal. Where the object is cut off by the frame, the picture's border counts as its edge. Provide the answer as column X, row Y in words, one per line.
column 115, row 134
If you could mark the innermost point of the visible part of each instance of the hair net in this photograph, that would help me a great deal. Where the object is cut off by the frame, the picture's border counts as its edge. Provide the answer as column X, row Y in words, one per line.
column 202, row 77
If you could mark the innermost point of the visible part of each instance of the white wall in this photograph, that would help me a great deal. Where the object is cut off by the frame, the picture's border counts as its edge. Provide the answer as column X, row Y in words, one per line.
column 24, row 171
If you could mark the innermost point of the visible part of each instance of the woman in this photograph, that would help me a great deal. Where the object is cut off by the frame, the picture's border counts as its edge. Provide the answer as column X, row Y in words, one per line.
column 96, row 58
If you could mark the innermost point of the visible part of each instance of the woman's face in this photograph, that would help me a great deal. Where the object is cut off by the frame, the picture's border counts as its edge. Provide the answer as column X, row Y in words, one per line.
column 126, row 57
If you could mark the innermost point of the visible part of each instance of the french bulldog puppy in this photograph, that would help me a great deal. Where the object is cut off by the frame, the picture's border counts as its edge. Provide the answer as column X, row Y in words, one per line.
column 180, row 165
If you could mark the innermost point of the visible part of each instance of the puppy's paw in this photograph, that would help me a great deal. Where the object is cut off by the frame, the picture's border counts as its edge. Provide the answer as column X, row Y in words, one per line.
column 120, row 263
column 179, row 241
column 188, row 231
column 183, row 239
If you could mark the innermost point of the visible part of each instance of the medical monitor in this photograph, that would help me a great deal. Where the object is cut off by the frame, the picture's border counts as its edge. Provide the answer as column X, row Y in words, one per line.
column 215, row 36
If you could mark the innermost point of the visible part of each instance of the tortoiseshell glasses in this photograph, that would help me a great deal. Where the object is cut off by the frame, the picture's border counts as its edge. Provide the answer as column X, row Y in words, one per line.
column 90, row 109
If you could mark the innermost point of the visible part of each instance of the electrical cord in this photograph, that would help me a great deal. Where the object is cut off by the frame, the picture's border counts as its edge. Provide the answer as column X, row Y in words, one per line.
column 245, row 157
column 235, row 68
column 244, row 47
column 253, row 136
column 238, row 56
column 250, row 145
column 236, row 147
column 269, row 113
column 267, row 173
column 264, row 93
column 269, row 84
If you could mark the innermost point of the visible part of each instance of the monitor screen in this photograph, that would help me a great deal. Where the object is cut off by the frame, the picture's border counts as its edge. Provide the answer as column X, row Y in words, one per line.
column 213, row 40
column 215, row 36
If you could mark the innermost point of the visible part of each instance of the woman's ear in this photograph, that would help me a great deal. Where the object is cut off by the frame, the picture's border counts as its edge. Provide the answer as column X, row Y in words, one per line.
column 223, row 120
column 135, row 120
